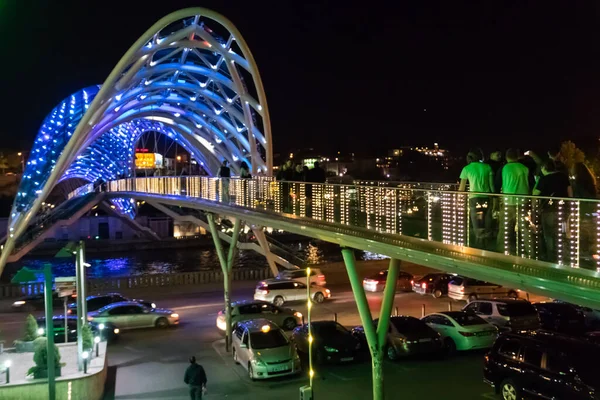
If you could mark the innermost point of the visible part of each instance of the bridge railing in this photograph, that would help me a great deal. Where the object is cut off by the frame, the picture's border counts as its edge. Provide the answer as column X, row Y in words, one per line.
column 97, row 285
column 563, row 231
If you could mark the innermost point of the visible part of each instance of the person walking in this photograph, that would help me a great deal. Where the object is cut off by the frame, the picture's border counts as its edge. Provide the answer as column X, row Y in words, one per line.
column 552, row 183
column 195, row 378
column 481, row 180
column 225, row 176
column 515, row 180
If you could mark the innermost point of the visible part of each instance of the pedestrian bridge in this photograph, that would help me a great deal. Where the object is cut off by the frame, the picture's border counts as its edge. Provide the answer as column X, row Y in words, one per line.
column 423, row 223
column 192, row 78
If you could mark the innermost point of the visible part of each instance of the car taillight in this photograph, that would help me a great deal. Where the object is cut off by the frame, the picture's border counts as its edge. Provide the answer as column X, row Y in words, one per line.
column 263, row 292
column 69, row 311
column 462, row 288
column 424, row 285
column 466, row 334
column 321, row 277
column 412, row 282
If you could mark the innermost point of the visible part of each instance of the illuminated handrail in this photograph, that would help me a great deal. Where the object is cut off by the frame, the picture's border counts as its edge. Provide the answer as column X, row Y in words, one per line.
column 563, row 231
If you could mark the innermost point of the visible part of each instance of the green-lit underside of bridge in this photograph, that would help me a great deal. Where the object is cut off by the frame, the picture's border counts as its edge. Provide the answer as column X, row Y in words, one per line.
column 570, row 284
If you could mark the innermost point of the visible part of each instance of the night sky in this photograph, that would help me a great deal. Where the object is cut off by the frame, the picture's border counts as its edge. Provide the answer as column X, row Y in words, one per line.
column 348, row 76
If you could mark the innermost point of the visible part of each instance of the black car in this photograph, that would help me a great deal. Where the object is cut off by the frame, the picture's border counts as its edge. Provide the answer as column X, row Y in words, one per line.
column 331, row 342
column 95, row 303
column 36, row 302
column 106, row 332
column 406, row 336
column 561, row 317
column 433, row 284
column 543, row 365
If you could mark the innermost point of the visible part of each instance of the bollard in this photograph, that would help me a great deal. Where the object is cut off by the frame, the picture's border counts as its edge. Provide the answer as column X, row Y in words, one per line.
column 335, row 317
column 396, row 311
column 449, row 306
column 422, row 310
column 302, row 319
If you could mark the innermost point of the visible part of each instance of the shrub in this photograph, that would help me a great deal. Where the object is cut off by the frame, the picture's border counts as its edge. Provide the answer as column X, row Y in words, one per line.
column 31, row 328
column 87, row 337
column 40, row 356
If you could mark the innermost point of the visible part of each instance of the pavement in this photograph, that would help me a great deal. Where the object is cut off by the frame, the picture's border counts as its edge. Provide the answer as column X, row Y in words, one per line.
column 149, row 364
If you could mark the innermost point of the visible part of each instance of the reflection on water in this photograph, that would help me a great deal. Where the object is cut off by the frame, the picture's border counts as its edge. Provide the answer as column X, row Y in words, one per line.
column 165, row 261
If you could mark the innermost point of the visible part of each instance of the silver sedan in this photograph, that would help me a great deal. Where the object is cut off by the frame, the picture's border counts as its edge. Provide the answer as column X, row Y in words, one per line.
column 132, row 315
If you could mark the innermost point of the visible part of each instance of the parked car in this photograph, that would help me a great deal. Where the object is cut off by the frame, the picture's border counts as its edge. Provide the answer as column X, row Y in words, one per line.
column 262, row 348
column 36, row 302
column 285, row 318
column 132, row 315
column 543, row 365
column 592, row 316
column 406, row 336
column 332, row 343
column 461, row 330
column 299, row 275
column 461, row 288
column 279, row 291
column 561, row 317
column 96, row 302
column 433, row 284
column 106, row 332
column 506, row 314
column 376, row 282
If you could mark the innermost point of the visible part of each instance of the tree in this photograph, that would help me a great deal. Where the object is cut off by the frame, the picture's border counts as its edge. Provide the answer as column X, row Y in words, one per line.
column 87, row 337
column 31, row 329
column 570, row 154
column 40, row 357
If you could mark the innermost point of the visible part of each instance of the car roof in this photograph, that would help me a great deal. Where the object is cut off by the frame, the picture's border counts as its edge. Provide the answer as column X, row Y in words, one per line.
column 58, row 317
column 248, row 302
column 255, row 325
column 122, row 303
column 557, row 340
column 94, row 296
column 503, row 301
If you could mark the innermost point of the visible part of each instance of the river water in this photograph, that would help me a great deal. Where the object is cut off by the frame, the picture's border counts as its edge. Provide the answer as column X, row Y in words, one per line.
column 162, row 261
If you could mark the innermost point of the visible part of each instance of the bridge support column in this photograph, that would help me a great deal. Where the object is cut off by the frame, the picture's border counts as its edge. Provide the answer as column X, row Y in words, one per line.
column 376, row 336
column 226, row 267
column 262, row 241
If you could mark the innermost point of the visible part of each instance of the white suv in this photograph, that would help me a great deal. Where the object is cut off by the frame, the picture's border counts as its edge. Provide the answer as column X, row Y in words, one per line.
column 299, row 275
column 279, row 291
column 461, row 288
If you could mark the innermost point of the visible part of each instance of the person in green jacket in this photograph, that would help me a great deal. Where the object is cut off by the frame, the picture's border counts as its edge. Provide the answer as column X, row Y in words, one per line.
column 195, row 378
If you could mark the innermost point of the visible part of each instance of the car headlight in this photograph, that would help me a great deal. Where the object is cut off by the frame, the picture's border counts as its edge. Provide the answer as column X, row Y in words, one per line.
column 330, row 349
column 18, row 303
column 153, row 305
column 174, row 315
column 101, row 326
column 116, row 331
column 259, row 363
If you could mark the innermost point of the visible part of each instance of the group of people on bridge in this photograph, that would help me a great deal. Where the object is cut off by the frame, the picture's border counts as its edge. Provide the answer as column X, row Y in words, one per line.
column 498, row 221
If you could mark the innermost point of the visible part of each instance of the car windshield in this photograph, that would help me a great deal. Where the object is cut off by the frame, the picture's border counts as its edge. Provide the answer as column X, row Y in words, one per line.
column 429, row 278
column 457, row 281
column 520, row 309
column 267, row 340
column 410, row 325
column 329, row 329
column 379, row 276
column 561, row 309
column 466, row 319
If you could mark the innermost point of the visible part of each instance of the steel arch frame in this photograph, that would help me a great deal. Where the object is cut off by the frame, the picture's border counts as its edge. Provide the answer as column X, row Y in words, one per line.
column 179, row 74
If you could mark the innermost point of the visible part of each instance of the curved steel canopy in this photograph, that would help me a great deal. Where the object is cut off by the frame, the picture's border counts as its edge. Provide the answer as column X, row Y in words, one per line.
column 180, row 78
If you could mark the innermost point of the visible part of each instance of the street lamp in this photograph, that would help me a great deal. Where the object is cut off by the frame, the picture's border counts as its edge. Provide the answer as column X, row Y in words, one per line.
column 40, row 331
column 7, row 365
column 97, row 341
column 85, row 355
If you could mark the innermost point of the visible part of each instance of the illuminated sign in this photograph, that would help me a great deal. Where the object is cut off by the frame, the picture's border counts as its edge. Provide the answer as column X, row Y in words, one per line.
column 148, row 160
